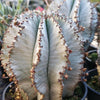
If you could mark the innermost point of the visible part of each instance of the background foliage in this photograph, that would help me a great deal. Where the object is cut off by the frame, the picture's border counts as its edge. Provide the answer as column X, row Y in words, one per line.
column 95, row 0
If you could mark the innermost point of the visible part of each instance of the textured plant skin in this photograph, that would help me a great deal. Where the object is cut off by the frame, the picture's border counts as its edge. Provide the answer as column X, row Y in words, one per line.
column 43, row 45
column 82, row 12
column 48, row 49
column 74, row 65
column 4, row 11
column 14, row 32
column 6, row 16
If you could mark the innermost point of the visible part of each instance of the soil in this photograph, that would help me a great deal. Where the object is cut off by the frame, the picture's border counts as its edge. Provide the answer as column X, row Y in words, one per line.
column 93, row 83
column 78, row 93
column 10, row 95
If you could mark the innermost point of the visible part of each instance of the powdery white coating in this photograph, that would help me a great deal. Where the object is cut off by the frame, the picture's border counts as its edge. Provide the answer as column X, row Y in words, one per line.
column 85, row 16
column 43, row 49
column 74, row 13
column 8, row 40
column 75, row 58
column 66, row 6
column 21, row 55
column 57, row 59
column 41, row 61
column 88, row 19
column 53, row 5
column 94, row 17
column 83, row 13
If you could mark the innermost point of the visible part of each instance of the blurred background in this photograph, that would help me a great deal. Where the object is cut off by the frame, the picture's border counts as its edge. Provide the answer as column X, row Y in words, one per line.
column 95, row 0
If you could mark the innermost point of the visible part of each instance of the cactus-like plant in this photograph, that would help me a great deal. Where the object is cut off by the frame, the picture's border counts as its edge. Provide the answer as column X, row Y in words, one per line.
column 47, row 49
column 4, row 11
column 6, row 16
column 43, row 44
column 80, row 11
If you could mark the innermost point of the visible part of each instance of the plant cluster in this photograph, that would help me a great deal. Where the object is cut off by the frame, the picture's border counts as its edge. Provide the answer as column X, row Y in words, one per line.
column 49, row 48
column 9, row 9
column 7, row 14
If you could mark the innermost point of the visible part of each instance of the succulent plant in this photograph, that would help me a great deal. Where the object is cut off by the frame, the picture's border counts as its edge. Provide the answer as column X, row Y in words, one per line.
column 48, row 49
column 4, row 10
column 7, row 14
column 12, row 8
column 81, row 12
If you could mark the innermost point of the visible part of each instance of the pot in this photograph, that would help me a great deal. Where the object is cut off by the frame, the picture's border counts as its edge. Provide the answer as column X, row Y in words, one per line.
column 85, row 90
column 92, row 94
column 6, row 90
column 89, row 64
column 91, row 47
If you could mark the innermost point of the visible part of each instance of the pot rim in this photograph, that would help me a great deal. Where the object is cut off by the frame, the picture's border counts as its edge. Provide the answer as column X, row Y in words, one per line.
column 86, row 91
column 92, row 45
column 4, row 92
column 90, row 52
column 89, row 86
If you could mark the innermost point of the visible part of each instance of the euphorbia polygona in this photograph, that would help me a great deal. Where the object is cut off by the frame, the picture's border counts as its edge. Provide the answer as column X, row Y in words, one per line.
column 6, row 16
column 82, row 12
column 46, row 49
